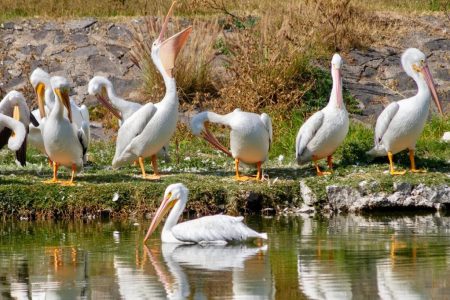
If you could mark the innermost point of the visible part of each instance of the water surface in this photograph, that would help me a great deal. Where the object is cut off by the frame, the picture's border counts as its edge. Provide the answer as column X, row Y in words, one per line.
column 344, row 257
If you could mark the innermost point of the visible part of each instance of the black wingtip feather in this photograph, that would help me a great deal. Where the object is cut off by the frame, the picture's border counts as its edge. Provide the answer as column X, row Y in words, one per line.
column 33, row 120
column 21, row 154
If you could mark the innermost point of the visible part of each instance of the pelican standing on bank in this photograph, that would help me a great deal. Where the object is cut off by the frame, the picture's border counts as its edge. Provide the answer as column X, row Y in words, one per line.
column 325, row 130
column 145, row 132
column 250, row 136
column 40, row 80
column 401, row 123
column 15, row 106
column 64, row 143
column 211, row 229
column 103, row 90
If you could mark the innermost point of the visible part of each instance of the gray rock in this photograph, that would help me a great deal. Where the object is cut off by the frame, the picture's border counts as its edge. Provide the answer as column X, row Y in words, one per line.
column 402, row 187
column 116, row 32
column 103, row 64
column 81, row 24
column 85, row 52
column 79, row 39
column 309, row 198
column 341, row 198
column 39, row 35
column 438, row 45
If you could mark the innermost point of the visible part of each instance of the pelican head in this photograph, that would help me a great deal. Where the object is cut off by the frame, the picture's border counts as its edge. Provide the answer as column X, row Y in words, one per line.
column 16, row 100
column 415, row 65
column 174, row 193
column 39, row 80
column 165, row 51
column 336, row 64
column 61, row 88
column 98, row 87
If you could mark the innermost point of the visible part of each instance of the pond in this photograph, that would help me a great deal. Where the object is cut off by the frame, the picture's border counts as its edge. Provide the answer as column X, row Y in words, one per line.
column 342, row 257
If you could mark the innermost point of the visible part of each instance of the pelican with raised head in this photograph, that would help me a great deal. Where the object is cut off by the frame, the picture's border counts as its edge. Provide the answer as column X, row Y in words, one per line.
column 250, row 137
column 326, row 129
column 210, row 229
column 401, row 123
column 64, row 143
column 15, row 106
column 146, row 131
column 40, row 80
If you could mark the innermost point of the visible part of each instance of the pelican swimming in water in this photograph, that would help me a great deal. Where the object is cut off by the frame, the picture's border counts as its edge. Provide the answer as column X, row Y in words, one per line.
column 145, row 132
column 14, row 106
column 250, row 136
column 325, row 130
column 40, row 80
column 401, row 123
column 211, row 229
column 64, row 143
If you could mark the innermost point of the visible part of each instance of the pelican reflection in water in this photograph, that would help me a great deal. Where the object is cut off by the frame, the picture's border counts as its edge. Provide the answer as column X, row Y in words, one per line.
column 203, row 271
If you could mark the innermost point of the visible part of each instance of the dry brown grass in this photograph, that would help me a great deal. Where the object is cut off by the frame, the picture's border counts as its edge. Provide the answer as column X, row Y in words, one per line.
column 253, row 61
column 193, row 71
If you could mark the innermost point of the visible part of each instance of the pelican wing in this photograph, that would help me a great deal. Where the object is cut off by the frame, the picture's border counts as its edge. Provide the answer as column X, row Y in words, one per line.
column 130, row 129
column 307, row 132
column 218, row 228
column 268, row 125
column 33, row 120
column 4, row 136
column 384, row 120
column 21, row 154
column 83, row 137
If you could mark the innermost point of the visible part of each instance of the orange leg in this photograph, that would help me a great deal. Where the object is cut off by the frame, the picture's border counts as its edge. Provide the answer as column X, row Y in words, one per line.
column 319, row 172
column 259, row 173
column 55, row 175
column 330, row 162
column 239, row 177
column 391, row 165
column 413, row 163
column 155, row 175
column 70, row 182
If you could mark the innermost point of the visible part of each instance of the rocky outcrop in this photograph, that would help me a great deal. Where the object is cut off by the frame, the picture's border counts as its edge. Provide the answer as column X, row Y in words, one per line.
column 366, row 198
column 76, row 49
column 80, row 49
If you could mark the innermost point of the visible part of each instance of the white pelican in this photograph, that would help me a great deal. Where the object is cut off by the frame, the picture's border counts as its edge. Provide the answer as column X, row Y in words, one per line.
column 401, row 123
column 209, row 229
column 103, row 90
column 40, row 80
column 250, row 136
column 14, row 106
column 18, row 136
column 64, row 143
column 150, row 128
column 325, row 130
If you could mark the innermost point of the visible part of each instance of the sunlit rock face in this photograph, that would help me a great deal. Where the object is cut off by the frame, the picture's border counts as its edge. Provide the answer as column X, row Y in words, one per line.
column 345, row 198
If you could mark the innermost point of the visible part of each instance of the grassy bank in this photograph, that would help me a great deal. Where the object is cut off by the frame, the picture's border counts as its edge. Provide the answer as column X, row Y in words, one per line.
column 122, row 193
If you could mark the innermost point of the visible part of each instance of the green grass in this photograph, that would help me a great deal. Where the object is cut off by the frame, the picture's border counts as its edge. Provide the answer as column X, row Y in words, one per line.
column 208, row 174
